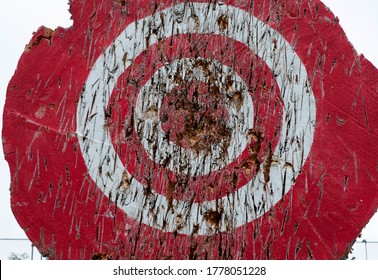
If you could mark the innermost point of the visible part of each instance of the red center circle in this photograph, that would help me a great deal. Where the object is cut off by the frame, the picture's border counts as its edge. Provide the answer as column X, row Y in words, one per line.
column 197, row 116
column 194, row 116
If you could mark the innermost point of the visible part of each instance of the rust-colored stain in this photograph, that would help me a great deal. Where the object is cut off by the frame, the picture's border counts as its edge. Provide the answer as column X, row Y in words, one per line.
column 193, row 130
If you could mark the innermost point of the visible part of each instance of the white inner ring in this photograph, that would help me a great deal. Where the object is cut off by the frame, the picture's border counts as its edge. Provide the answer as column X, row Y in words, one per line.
column 185, row 160
column 257, row 196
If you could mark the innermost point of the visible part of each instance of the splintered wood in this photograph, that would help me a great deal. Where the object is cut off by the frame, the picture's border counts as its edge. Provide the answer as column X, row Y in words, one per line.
column 193, row 130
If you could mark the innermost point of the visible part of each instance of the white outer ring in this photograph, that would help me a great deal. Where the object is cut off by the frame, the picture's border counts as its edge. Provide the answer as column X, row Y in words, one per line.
column 250, row 201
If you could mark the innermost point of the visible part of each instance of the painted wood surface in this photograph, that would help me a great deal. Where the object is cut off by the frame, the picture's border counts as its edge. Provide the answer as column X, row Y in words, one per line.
column 193, row 130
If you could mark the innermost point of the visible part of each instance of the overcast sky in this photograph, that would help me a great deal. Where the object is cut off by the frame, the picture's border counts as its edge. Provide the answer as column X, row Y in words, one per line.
column 18, row 20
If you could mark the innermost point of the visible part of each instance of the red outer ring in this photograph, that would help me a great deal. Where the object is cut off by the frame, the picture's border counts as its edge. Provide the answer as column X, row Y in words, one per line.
column 67, row 217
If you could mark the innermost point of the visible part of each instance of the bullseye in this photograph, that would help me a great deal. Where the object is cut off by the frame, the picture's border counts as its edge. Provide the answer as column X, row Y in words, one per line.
column 184, row 160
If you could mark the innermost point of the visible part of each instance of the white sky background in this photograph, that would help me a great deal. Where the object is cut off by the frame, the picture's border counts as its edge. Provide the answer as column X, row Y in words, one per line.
column 19, row 19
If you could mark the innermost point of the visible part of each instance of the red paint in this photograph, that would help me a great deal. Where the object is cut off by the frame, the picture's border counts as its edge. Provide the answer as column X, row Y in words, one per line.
column 67, row 217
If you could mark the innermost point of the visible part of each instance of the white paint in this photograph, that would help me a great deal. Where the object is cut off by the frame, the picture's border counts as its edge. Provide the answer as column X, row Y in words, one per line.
column 182, row 159
column 250, row 201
